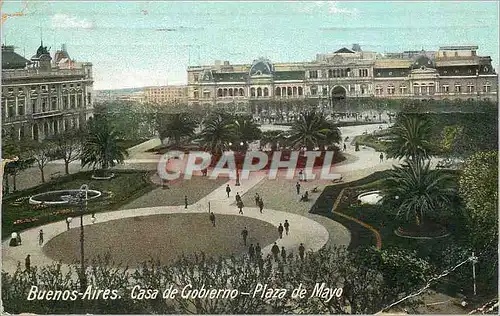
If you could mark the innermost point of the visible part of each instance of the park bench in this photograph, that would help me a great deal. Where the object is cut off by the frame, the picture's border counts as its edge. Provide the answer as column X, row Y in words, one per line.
column 339, row 180
column 55, row 175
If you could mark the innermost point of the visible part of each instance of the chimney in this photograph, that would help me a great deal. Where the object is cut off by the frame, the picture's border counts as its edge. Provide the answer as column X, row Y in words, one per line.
column 63, row 47
column 226, row 63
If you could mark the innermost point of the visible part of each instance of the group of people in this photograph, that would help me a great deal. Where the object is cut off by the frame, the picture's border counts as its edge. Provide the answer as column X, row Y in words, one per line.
column 305, row 196
column 275, row 250
column 239, row 202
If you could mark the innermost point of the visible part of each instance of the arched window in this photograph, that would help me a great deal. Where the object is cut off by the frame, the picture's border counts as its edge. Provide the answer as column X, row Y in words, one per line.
column 278, row 91
column 230, row 92
column 219, row 92
column 259, row 92
column 266, row 92
column 294, row 90
column 252, row 92
column 301, row 92
column 46, row 128
column 289, row 90
column 225, row 93
column 35, row 131
column 283, row 91
column 242, row 92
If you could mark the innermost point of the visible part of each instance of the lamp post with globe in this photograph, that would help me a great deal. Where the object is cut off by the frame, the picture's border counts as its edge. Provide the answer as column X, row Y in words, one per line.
column 81, row 200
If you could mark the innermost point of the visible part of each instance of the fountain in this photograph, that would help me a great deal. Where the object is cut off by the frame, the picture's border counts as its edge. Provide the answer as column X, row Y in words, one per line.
column 61, row 197
column 372, row 197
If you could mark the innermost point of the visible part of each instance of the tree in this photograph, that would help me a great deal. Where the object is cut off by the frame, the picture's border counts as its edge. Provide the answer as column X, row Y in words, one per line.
column 415, row 190
column 478, row 186
column 13, row 169
column 411, row 139
column 101, row 145
column 176, row 126
column 68, row 146
column 245, row 130
column 41, row 152
column 273, row 137
column 312, row 130
column 218, row 131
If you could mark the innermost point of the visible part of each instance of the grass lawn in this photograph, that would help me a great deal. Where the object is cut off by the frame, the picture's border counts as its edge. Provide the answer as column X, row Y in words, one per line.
column 370, row 141
column 126, row 186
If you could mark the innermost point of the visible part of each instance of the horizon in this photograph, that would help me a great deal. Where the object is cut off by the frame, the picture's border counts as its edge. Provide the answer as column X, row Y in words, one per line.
column 144, row 44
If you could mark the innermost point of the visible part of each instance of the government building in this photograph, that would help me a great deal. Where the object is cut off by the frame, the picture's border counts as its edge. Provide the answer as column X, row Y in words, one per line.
column 45, row 95
column 452, row 73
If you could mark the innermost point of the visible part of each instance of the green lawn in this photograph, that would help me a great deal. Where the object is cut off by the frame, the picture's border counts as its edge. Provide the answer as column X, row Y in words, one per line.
column 370, row 141
column 126, row 186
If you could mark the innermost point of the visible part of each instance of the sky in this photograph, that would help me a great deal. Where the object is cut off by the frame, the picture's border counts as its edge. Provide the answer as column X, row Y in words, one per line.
column 148, row 43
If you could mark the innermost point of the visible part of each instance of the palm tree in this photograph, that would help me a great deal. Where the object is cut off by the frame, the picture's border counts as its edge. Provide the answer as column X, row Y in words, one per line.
column 176, row 127
column 218, row 131
column 273, row 137
column 412, row 139
column 245, row 130
column 312, row 129
column 414, row 190
column 102, row 145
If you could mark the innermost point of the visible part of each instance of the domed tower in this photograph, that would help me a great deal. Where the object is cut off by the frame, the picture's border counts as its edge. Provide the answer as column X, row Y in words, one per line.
column 261, row 67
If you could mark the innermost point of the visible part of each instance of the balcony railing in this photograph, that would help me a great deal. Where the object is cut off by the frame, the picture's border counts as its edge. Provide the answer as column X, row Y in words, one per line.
column 33, row 73
column 47, row 114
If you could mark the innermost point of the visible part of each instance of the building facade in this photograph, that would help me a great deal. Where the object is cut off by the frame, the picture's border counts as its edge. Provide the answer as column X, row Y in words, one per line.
column 452, row 72
column 166, row 94
column 44, row 96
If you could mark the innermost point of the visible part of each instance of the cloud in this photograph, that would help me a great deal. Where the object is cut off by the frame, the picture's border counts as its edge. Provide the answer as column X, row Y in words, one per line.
column 334, row 9
column 65, row 21
column 331, row 7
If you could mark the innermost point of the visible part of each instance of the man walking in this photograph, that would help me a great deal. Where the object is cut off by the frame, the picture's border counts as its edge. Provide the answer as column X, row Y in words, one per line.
column 280, row 230
column 27, row 263
column 40, row 237
column 251, row 252
column 257, row 250
column 212, row 218
column 185, row 201
column 240, row 206
column 381, row 157
column 287, row 226
column 244, row 234
column 275, row 250
column 345, row 147
column 297, row 186
column 283, row 254
column 19, row 240
column 237, row 197
column 257, row 199
column 261, row 205
column 228, row 190
column 302, row 250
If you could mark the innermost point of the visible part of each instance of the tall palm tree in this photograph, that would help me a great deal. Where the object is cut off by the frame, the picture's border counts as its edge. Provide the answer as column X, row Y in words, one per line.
column 176, row 127
column 245, row 130
column 415, row 190
column 312, row 129
column 218, row 131
column 273, row 137
column 412, row 139
column 102, row 145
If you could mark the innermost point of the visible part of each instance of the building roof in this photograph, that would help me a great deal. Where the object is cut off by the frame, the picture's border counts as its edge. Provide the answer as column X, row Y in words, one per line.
column 12, row 60
column 470, row 47
column 289, row 75
column 457, row 62
column 231, row 76
column 344, row 50
column 393, row 63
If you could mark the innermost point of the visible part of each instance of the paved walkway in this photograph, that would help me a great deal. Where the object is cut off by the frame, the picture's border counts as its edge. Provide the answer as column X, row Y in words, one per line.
column 219, row 204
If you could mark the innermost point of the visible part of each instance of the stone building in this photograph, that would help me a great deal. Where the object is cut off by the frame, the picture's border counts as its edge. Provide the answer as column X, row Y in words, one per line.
column 44, row 95
column 452, row 72
column 166, row 94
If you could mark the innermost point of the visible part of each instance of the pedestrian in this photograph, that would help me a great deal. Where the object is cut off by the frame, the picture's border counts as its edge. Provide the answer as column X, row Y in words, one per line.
column 27, row 263
column 301, row 175
column 68, row 220
column 257, row 250
column 297, row 186
column 185, row 201
column 237, row 197
column 228, row 190
column 40, row 237
column 275, row 250
column 381, row 157
column 240, row 206
column 287, row 226
column 244, row 235
column 19, row 241
column 283, row 254
column 251, row 252
column 345, row 147
column 212, row 218
column 261, row 205
column 302, row 250
column 280, row 230
column 257, row 199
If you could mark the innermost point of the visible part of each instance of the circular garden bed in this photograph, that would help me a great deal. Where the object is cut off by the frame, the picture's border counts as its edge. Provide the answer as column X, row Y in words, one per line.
column 60, row 197
column 424, row 231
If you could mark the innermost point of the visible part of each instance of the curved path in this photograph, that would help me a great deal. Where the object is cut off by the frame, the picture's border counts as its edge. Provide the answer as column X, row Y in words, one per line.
column 219, row 204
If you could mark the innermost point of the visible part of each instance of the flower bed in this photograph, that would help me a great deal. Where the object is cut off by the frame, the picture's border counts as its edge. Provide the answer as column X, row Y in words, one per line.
column 424, row 231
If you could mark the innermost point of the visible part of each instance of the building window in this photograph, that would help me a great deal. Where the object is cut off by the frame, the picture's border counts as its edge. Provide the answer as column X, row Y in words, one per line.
column 252, row 92
column 196, row 77
column 224, row 92
column 470, row 88
column 44, row 105
column 300, row 90
column 313, row 74
column 266, row 92
column 294, row 90
column 242, row 92
column 259, row 92
column 33, row 106
column 352, row 89
column 10, row 110
column 289, row 91
column 363, row 72
column 89, row 98
column 230, row 91
column 277, row 92
column 219, row 92
column 378, row 90
column 54, row 103
column 20, row 108
column 487, row 87
column 390, row 90
column 330, row 73
column 390, row 73
column 403, row 89
column 33, row 89
column 458, row 88
column 206, row 94
column 196, row 94
column 456, row 54
column 65, row 102
column 445, row 88
column 363, row 89
column 325, row 91
column 314, row 90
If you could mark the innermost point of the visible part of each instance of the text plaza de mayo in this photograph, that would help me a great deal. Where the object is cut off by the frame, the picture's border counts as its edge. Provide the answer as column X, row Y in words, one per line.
column 452, row 73
column 44, row 95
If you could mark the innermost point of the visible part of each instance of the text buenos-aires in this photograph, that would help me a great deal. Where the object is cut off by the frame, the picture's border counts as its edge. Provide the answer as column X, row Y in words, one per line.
column 90, row 293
